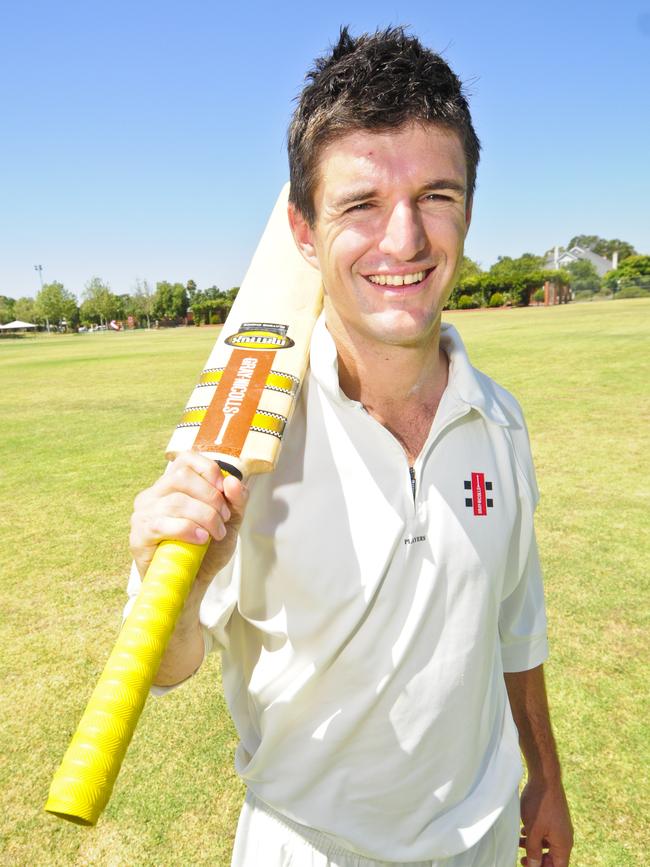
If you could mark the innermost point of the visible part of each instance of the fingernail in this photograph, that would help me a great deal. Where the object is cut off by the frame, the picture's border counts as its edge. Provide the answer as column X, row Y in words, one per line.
column 534, row 863
column 201, row 534
column 224, row 511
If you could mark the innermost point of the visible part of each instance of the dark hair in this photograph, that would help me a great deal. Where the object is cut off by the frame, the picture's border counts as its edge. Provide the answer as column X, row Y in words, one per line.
column 379, row 82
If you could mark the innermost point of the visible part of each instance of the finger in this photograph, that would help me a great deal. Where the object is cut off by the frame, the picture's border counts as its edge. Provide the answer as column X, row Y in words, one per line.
column 148, row 528
column 236, row 493
column 166, row 527
column 186, row 480
column 199, row 464
column 533, row 855
column 558, row 858
column 211, row 517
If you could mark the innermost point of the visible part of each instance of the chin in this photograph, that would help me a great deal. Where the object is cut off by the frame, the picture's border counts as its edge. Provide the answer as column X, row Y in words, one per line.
column 403, row 329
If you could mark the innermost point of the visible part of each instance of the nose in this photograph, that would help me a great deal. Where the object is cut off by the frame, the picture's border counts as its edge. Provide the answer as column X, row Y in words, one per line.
column 403, row 234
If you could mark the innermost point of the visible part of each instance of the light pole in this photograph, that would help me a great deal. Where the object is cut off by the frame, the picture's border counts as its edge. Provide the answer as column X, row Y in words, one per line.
column 39, row 269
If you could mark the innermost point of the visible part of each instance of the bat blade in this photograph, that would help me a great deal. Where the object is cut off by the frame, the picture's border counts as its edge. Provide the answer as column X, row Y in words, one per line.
column 248, row 389
column 237, row 415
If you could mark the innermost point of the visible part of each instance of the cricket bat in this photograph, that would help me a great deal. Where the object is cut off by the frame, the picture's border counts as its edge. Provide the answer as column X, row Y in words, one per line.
column 236, row 415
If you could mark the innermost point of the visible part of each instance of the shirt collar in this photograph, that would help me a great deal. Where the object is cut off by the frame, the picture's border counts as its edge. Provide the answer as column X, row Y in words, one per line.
column 473, row 387
column 465, row 382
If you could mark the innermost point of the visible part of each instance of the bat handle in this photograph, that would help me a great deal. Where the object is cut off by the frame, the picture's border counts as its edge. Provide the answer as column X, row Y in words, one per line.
column 82, row 785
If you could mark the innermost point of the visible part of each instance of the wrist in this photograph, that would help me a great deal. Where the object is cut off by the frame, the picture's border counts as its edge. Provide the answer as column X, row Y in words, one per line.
column 547, row 774
column 187, row 628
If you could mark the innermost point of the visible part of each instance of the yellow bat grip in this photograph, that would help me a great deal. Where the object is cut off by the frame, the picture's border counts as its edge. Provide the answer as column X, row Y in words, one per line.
column 84, row 781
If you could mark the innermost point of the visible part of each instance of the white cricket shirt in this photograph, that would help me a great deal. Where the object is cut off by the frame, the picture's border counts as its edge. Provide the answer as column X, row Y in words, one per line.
column 365, row 626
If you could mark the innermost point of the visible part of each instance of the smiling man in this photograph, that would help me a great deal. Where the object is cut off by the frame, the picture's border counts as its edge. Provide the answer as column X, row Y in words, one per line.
column 391, row 211
column 380, row 610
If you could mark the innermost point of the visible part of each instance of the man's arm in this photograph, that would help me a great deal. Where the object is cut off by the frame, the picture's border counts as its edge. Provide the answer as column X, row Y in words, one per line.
column 544, row 809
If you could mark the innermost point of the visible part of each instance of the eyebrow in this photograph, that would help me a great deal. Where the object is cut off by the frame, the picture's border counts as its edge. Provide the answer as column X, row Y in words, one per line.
column 364, row 193
column 446, row 184
column 360, row 195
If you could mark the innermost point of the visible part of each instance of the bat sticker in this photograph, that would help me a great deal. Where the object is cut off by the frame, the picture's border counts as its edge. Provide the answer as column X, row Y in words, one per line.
column 260, row 335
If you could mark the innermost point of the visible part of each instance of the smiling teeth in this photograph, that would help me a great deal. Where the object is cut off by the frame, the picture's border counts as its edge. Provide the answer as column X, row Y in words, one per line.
column 397, row 279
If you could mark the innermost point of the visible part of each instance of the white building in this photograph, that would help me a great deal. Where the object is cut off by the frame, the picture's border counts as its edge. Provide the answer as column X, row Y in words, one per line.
column 561, row 260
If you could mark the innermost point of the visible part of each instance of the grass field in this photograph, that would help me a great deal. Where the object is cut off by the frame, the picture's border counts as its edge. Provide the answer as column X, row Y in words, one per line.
column 85, row 422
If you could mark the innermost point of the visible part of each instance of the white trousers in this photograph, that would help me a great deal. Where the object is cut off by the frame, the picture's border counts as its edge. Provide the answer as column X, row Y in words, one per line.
column 267, row 839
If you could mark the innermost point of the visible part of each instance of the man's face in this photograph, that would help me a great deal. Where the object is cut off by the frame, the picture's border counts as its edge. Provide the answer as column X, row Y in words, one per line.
column 391, row 218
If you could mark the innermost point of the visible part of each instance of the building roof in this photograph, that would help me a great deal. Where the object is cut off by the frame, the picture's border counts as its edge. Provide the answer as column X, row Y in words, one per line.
column 575, row 254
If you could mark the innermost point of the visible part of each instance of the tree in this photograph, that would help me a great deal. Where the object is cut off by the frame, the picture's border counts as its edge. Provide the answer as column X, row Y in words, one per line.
column 586, row 241
column 99, row 301
column 170, row 300
column 6, row 309
column 603, row 247
column 633, row 272
column 24, row 309
column 55, row 303
column 507, row 267
column 583, row 276
column 514, row 278
column 468, row 268
column 212, row 303
column 124, row 306
column 143, row 300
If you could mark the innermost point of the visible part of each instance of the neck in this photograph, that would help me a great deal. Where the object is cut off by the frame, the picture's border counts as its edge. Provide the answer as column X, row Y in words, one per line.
column 400, row 386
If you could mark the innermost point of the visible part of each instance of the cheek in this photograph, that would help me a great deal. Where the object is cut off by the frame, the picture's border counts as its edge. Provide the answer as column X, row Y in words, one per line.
column 447, row 233
column 349, row 247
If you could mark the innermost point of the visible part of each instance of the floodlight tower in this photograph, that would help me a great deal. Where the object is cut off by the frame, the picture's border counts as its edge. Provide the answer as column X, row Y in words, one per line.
column 39, row 269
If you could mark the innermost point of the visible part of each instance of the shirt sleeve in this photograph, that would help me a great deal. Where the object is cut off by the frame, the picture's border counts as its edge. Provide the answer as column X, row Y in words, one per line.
column 214, row 614
column 522, row 617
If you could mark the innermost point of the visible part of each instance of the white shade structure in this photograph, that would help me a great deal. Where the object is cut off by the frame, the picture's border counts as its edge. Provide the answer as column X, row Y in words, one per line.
column 16, row 325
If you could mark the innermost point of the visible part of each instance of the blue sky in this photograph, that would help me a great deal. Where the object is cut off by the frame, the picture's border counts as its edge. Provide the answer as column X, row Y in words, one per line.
column 146, row 139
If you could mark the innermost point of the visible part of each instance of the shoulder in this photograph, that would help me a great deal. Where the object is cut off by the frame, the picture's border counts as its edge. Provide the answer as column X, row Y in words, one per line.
column 504, row 399
column 515, row 428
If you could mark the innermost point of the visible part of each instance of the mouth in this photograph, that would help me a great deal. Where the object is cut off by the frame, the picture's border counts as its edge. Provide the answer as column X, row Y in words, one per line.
column 399, row 281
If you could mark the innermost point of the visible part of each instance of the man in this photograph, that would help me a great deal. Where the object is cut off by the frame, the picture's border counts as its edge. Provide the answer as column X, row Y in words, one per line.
column 379, row 610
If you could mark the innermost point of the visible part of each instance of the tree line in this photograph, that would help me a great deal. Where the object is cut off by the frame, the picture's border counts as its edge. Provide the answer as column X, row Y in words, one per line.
column 167, row 304
column 514, row 281
column 518, row 281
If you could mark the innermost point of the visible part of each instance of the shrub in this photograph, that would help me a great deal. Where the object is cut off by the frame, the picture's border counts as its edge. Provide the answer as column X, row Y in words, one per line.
column 467, row 302
column 584, row 295
column 539, row 296
column 633, row 292
column 602, row 294
column 497, row 300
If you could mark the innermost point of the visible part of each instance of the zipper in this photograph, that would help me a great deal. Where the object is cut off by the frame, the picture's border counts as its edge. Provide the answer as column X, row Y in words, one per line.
column 434, row 435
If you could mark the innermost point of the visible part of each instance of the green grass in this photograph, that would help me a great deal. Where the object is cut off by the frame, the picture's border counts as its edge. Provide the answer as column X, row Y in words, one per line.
column 85, row 422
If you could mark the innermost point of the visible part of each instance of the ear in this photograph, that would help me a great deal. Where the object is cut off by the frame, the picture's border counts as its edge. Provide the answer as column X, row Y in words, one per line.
column 303, row 235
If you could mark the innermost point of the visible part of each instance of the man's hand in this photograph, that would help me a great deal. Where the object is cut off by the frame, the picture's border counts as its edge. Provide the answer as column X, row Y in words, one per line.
column 191, row 502
column 546, row 825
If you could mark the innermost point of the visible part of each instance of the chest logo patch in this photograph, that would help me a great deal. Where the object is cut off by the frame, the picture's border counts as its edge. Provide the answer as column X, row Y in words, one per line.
column 479, row 501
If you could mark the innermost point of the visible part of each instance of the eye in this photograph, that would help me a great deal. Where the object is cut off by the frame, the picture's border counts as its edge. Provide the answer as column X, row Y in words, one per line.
column 360, row 206
column 439, row 197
